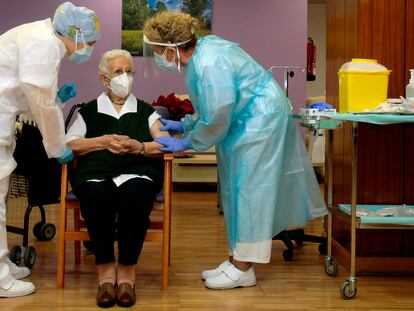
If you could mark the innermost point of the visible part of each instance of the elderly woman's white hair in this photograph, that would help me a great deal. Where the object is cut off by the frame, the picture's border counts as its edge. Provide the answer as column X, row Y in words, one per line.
column 110, row 55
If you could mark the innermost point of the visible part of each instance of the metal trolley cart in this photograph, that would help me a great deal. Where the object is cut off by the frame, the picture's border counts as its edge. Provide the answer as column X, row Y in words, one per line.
column 348, row 289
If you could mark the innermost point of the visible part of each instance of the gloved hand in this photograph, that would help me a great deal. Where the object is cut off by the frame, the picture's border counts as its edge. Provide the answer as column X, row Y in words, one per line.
column 320, row 106
column 173, row 144
column 174, row 127
column 66, row 92
column 66, row 157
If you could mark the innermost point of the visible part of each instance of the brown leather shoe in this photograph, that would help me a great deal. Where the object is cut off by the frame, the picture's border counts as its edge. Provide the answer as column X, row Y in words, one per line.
column 126, row 295
column 106, row 296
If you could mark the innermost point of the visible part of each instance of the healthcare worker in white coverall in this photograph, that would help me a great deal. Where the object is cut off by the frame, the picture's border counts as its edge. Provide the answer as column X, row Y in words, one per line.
column 30, row 57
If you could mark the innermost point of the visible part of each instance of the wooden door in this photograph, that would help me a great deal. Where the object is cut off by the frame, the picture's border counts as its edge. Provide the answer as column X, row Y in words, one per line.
column 374, row 29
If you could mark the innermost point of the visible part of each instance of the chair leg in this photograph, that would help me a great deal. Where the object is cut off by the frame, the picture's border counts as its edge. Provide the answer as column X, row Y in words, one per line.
column 61, row 267
column 166, row 244
column 166, row 241
column 77, row 245
column 165, row 264
column 61, row 250
column 284, row 237
column 61, row 263
column 169, row 244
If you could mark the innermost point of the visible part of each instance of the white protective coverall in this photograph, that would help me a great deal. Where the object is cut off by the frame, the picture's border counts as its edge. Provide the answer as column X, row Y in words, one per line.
column 30, row 57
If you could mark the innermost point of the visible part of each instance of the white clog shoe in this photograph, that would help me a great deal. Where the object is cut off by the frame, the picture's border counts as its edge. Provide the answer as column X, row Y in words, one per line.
column 17, row 272
column 231, row 277
column 16, row 288
column 215, row 272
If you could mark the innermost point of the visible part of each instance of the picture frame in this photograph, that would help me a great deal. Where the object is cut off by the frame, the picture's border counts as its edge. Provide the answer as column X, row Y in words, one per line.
column 136, row 12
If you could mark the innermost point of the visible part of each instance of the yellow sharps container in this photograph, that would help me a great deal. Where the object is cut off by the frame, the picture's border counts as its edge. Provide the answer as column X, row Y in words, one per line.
column 363, row 84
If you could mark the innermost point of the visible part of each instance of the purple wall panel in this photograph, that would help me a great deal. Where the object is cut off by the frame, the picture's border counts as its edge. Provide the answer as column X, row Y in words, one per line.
column 274, row 32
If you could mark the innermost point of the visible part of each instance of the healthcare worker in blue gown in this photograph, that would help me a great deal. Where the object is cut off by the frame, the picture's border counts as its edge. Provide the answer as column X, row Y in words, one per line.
column 266, row 181
column 30, row 57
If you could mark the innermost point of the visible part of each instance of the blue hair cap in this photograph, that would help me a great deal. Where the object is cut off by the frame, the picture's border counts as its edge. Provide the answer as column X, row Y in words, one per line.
column 71, row 20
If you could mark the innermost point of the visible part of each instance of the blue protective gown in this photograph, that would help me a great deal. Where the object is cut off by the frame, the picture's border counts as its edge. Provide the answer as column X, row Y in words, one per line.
column 267, row 183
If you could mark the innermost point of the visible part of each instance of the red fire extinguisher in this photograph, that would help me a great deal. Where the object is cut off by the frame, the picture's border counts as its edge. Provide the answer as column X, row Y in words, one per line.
column 311, row 61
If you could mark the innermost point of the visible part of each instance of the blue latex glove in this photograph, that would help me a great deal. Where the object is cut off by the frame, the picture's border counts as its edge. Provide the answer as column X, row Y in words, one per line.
column 174, row 127
column 320, row 106
column 173, row 144
column 66, row 92
column 66, row 157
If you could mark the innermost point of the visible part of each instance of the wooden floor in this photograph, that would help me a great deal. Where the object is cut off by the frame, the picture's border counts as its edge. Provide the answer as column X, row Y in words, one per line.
column 198, row 242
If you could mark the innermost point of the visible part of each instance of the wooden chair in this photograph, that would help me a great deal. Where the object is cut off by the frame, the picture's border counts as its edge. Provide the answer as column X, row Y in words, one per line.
column 159, row 231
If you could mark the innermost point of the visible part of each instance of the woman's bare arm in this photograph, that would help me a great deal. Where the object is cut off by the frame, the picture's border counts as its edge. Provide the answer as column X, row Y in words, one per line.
column 82, row 146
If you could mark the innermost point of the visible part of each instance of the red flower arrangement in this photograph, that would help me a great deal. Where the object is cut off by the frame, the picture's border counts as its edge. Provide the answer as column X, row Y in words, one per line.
column 177, row 108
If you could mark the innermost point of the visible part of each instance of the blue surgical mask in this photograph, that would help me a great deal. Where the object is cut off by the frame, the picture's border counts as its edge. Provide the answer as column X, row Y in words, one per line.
column 82, row 55
column 164, row 64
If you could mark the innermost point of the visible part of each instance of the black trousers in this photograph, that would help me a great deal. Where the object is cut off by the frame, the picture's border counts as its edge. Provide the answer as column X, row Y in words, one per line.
column 122, row 213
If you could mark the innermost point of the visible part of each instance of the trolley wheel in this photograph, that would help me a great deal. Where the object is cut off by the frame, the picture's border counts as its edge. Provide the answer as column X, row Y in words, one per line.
column 47, row 232
column 323, row 248
column 44, row 232
column 331, row 269
column 288, row 255
column 346, row 291
column 29, row 256
column 15, row 254
column 37, row 230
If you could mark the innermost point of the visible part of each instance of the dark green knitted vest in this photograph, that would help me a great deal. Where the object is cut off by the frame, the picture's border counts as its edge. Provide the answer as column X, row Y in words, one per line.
column 104, row 164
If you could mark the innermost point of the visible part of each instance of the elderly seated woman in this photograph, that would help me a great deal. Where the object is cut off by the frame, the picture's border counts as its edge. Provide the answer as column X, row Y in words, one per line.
column 117, row 175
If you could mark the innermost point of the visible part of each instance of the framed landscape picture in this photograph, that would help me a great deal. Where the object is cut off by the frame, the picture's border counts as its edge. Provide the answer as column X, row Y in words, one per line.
column 135, row 13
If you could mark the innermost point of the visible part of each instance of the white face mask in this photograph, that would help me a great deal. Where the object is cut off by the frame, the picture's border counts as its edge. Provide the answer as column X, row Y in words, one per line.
column 121, row 85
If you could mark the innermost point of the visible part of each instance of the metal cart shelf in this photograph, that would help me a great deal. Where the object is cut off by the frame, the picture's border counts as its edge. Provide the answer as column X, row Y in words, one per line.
column 348, row 288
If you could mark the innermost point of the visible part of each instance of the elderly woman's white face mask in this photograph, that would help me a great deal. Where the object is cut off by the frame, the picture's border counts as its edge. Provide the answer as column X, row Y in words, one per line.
column 121, row 85
column 121, row 77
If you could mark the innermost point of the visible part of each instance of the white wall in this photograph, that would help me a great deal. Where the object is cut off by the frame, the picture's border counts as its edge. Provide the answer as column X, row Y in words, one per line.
column 317, row 30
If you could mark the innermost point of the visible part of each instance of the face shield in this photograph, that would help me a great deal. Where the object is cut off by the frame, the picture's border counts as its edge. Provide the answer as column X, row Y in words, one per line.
column 155, row 57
